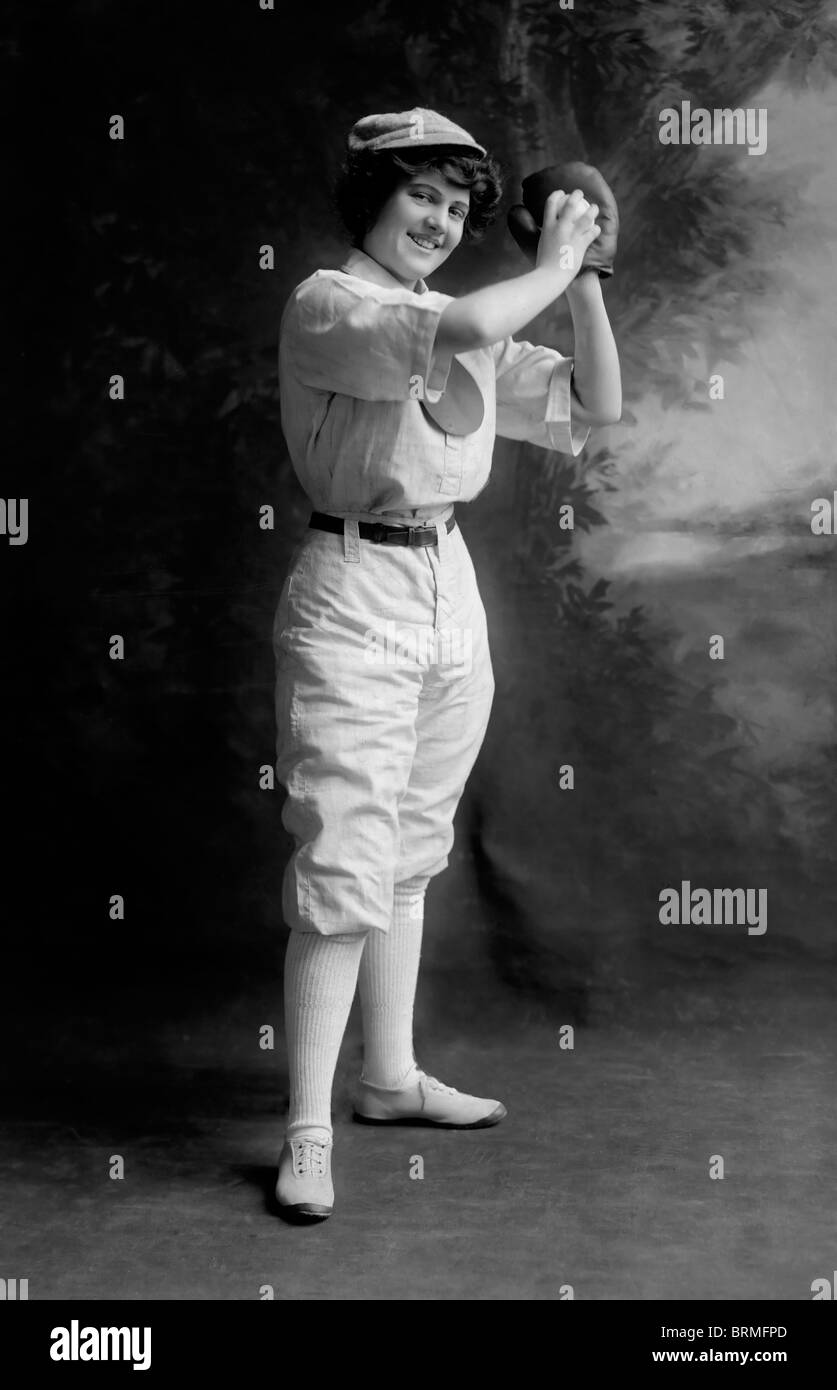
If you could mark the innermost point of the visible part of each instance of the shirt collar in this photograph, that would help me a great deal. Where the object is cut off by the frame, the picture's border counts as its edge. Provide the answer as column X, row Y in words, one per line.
column 365, row 268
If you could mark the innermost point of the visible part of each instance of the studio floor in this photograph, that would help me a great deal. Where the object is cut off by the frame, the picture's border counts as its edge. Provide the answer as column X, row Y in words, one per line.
column 598, row 1180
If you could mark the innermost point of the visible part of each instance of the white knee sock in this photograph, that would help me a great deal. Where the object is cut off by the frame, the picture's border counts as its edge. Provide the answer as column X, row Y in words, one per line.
column 387, row 985
column 320, row 980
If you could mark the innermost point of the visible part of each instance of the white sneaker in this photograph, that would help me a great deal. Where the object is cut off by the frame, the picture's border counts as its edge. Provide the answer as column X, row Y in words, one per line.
column 304, row 1184
column 426, row 1102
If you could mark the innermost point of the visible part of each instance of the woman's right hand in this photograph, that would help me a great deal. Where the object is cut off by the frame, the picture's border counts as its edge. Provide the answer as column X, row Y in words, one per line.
column 489, row 315
column 569, row 225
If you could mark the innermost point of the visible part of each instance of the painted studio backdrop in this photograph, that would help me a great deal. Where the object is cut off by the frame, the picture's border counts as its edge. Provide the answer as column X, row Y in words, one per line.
column 665, row 665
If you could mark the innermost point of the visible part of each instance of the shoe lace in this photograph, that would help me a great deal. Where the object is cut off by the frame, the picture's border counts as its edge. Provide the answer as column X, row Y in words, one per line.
column 310, row 1158
column 437, row 1086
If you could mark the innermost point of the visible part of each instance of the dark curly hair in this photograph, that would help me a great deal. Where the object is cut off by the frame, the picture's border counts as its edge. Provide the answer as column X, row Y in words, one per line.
column 368, row 178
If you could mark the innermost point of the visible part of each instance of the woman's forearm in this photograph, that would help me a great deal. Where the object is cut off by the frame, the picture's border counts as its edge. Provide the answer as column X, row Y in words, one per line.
column 596, row 375
column 489, row 315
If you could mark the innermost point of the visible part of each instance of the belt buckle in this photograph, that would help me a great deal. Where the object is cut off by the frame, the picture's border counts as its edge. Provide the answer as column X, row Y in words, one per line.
column 418, row 530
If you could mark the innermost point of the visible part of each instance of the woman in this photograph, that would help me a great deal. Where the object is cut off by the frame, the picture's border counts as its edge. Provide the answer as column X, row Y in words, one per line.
column 392, row 395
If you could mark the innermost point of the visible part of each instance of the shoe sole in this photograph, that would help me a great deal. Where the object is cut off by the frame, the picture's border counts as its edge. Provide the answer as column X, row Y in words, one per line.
column 493, row 1119
column 304, row 1212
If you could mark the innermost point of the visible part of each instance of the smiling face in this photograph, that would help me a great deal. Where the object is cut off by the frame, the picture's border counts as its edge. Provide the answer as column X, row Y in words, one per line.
column 418, row 226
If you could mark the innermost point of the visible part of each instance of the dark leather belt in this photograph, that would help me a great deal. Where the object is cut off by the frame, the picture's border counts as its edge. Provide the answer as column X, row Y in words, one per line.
column 380, row 533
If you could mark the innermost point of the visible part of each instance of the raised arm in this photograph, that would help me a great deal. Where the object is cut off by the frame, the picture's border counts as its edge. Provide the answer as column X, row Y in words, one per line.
column 597, row 382
column 487, row 316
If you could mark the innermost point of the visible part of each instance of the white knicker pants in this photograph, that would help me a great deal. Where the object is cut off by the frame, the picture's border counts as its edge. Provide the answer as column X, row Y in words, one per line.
column 383, row 692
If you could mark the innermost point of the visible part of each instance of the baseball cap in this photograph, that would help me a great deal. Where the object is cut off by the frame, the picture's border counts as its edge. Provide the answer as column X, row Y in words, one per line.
column 407, row 129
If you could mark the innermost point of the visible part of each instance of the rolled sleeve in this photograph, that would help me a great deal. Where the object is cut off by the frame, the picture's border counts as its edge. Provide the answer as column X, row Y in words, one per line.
column 364, row 340
column 534, row 397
